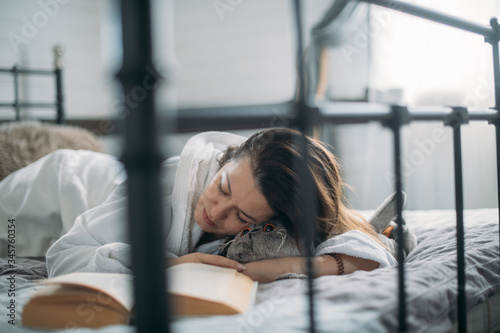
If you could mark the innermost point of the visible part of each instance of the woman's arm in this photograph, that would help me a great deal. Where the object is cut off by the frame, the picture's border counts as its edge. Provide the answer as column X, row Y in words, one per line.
column 269, row 270
column 328, row 265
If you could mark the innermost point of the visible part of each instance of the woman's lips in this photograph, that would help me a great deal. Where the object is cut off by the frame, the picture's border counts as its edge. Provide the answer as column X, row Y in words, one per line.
column 207, row 219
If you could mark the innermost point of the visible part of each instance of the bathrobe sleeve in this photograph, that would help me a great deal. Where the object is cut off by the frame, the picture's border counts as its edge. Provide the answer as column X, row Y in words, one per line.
column 357, row 244
column 98, row 240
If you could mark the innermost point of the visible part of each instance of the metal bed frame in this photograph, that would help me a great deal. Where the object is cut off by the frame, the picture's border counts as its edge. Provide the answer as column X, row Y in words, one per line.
column 142, row 157
column 57, row 72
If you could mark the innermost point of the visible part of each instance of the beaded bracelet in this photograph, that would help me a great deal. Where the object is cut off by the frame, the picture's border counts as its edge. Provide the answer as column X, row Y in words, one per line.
column 340, row 263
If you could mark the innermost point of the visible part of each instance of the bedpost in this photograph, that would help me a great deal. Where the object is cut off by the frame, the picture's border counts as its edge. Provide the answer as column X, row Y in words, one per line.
column 496, row 77
column 17, row 105
column 497, row 139
column 399, row 117
column 58, row 68
column 142, row 161
column 304, row 197
column 455, row 119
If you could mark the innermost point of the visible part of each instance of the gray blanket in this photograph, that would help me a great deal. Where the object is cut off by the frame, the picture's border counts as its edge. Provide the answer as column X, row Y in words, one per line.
column 362, row 301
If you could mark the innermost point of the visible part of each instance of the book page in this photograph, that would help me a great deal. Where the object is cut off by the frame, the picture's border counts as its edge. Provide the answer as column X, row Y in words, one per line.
column 118, row 286
column 206, row 281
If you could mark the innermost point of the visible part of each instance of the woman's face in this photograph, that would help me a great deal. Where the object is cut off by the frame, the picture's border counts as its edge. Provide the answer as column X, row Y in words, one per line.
column 231, row 201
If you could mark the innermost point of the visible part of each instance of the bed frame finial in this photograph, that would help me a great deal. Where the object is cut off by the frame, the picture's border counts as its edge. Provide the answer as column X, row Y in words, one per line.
column 59, row 51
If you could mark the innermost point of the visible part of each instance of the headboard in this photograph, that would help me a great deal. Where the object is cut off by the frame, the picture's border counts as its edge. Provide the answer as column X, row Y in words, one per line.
column 57, row 72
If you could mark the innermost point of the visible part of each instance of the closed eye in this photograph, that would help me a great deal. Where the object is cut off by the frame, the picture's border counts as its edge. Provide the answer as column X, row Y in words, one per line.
column 240, row 219
column 221, row 191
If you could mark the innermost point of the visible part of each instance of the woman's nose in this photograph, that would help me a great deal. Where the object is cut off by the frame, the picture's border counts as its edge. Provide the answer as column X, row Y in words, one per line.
column 220, row 209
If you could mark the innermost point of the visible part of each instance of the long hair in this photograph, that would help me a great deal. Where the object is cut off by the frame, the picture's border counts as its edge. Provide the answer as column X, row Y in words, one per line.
column 272, row 153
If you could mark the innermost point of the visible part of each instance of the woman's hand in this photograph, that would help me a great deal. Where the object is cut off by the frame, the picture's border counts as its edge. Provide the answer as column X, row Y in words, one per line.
column 269, row 270
column 203, row 258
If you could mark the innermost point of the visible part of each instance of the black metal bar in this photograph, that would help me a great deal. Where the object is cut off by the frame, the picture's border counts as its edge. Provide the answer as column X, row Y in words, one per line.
column 483, row 116
column 400, row 116
column 58, row 68
column 304, row 197
column 28, row 105
column 455, row 120
column 234, row 117
column 462, row 303
column 277, row 115
column 17, row 108
column 224, row 119
column 436, row 16
column 496, row 74
column 61, row 119
column 399, row 221
column 496, row 63
column 142, row 161
column 497, row 137
column 28, row 71
column 351, row 113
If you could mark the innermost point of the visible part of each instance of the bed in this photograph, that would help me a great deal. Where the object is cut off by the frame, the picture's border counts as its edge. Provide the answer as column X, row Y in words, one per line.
column 360, row 302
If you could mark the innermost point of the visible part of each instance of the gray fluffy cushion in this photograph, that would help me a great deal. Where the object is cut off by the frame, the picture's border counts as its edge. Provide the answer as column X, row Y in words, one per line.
column 25, row 142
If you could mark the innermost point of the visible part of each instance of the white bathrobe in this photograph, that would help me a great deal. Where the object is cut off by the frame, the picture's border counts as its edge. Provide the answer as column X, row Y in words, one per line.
column 82, row 194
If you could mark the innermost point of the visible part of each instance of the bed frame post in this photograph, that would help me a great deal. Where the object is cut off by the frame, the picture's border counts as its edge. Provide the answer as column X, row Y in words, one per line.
column 17, row 106
column 456, row 119
column 143, row 161
column 304, row 197
column 496, row 75
column 58, row 68
column 399, row 117
column 497, row 137
column 496, row 60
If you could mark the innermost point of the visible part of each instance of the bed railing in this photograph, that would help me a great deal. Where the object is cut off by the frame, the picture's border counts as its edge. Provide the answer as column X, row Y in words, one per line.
column 57, row 72
column 142, row 158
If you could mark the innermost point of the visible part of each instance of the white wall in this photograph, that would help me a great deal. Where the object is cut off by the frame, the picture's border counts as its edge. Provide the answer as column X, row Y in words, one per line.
column 237, row 54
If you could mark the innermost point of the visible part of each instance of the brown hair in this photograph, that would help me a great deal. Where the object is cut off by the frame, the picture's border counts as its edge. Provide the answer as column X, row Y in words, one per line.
column 271, row 153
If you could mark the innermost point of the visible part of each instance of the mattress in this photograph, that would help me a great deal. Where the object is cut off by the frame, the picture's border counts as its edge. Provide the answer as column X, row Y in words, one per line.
column 362, row 301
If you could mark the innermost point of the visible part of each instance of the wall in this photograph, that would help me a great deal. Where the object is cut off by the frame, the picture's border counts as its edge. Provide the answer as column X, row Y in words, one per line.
column 235, row 53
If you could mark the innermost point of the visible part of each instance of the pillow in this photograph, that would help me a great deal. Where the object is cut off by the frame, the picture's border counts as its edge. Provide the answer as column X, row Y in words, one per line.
column 25, row 142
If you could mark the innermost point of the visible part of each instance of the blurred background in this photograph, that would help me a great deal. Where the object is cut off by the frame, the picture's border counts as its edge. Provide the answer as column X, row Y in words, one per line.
column 240, row 52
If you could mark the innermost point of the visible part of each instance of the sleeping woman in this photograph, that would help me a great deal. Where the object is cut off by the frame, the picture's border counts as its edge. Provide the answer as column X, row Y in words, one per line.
column 219, row 186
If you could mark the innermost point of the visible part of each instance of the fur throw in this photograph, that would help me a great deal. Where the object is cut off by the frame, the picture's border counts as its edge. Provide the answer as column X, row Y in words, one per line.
column 22, row 143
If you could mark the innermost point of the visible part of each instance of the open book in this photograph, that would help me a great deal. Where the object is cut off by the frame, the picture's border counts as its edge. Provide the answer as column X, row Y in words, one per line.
column 98, row 299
